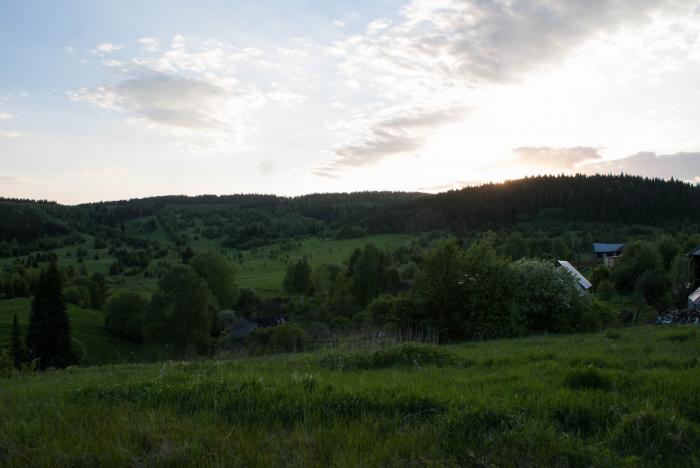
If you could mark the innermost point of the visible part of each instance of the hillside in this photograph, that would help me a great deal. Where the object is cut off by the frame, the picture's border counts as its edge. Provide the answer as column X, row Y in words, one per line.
column 621, row 398
column 245, row 221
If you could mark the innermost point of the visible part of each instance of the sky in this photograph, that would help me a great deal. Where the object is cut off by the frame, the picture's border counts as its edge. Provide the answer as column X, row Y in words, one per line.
column 114, row 100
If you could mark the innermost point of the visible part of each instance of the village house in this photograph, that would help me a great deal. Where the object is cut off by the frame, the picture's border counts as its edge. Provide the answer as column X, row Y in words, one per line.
column 583, row 284
column 607, row 253
column 242, row 327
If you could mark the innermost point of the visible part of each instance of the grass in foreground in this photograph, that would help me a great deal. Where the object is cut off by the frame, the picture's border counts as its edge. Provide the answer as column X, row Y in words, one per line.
column 629, row 398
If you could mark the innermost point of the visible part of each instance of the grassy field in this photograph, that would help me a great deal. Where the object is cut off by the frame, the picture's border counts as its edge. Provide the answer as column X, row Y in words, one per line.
column 627, row 397
column 87, row 327
column 262, row 268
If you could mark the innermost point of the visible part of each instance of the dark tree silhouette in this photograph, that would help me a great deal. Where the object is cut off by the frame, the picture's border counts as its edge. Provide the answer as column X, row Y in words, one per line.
column 49, row 334
column 16, row 349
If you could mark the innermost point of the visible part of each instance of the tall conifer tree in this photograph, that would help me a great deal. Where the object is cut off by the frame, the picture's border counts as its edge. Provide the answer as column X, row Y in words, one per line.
column 48, row 334
column 16, row 350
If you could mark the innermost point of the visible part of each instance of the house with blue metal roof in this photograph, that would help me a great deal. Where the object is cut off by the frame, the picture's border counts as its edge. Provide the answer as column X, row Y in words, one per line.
column 608, row 253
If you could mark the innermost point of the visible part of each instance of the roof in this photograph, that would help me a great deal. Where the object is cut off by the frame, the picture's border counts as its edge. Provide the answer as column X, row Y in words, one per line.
column 580, row 279
column 695, row 252
column 601, row 248
column 695, row 296
column 240, row 328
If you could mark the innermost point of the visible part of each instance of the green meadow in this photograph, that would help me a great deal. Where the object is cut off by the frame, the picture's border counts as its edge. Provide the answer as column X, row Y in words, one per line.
column 625, row 397
column 88, row 329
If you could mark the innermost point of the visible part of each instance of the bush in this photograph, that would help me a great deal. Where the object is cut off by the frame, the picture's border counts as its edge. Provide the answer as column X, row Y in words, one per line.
column 284, row 338
column 605, row 290
column 77, row 295
column 7, row 368
column 225, row 318
column 656, row 435
column 350, row 232
column 587, row 378
column 124, row 315
column 404, row 355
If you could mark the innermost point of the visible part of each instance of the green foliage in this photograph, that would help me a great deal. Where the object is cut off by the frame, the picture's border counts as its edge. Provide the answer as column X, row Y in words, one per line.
column 17, row 351
column 49, row 333
column 656, row 436
column 225, row 318
column 179, row 313
column 547, row 296
column 368, row 274
column 605, row 290
column 219, row 275
column 403, row 355
column 587, row 378
column 125, row 313
column 495, row 403
column 652, row 285
column 284, row 338
column 637, row 258
column 298, row 277
column 350, row 232
column 7, row 368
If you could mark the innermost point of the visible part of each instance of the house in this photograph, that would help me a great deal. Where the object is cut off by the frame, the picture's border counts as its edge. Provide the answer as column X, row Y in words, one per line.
column 583, row 284
column 242, row 327
column 608, row 253
column 694, row 256
column 694, row 300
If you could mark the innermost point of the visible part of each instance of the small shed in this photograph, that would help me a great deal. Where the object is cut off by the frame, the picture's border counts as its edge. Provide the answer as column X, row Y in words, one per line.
column 694, row 300
column 240, row 328
column 608, row 253
column 694, row 256
column 583, row 284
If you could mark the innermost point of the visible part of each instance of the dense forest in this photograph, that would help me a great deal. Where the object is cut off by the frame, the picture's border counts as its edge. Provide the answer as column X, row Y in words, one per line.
column 253, row 220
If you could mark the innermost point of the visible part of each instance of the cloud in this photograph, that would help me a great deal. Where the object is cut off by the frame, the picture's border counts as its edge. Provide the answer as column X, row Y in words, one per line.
column 106, row 48
column 191, row 90
column 339, row 24
column 402, row 132
column 555, row 158
column 9, row 180
column 5, row 116
column 150, row 44
column 446, row 53
column 10, row 134
column 681, row 166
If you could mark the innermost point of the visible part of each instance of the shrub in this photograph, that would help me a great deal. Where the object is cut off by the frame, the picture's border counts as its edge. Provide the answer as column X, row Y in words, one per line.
column 605, row 290
column 587, row 378
column 124, row 315
column 655, row 435
column 7, row 368
column 684, row 335
column 404, row 355
column 287, row 337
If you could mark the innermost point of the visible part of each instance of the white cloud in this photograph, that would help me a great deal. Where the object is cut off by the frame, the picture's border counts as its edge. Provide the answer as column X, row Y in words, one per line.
column 5, row 116
column 682, row 166
column 443, row 54
column 10, row 134
column 150, row 44
column 106, row 48
column 191, row 90
column 339, row 24
column 8, row 180
column 555, row 158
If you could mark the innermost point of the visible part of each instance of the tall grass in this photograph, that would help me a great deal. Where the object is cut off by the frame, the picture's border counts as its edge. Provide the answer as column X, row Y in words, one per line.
column 580, row 400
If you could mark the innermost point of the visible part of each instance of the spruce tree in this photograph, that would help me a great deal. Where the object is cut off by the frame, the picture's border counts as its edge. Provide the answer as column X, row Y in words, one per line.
column 48, row 334
column 16, row 350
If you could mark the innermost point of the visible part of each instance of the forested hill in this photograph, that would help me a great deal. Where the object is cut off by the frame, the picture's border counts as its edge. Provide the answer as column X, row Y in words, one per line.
column 237, row 218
